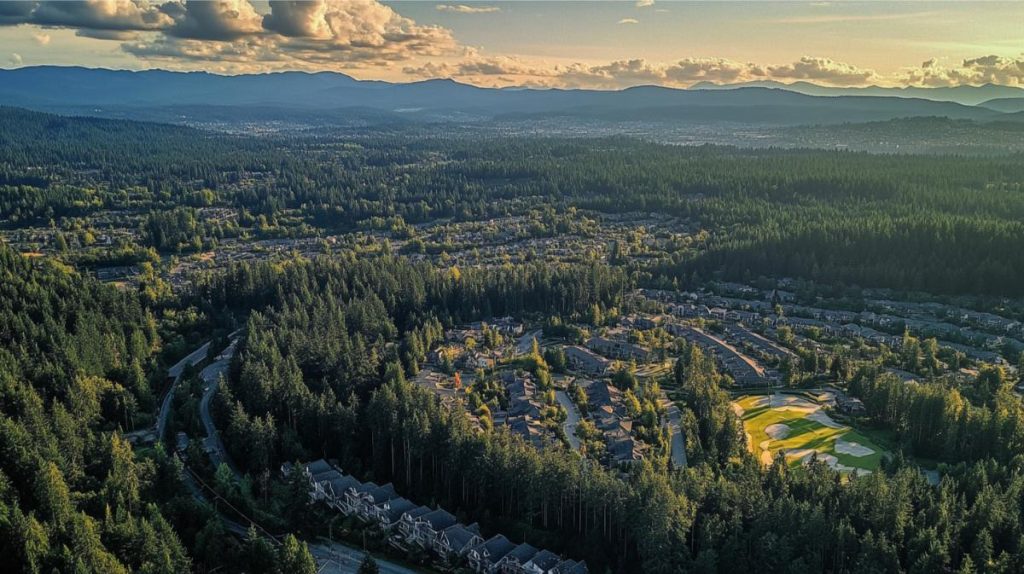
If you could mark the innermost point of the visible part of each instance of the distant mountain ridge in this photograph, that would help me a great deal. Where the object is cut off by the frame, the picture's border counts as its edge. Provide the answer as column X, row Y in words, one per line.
column 297, row 95
column 966, row 95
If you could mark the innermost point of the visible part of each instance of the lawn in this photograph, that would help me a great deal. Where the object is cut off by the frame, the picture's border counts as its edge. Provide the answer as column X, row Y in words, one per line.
column 799, row 428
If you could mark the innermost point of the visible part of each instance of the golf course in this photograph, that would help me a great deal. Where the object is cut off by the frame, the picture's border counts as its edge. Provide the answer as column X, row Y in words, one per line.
column 800, row 429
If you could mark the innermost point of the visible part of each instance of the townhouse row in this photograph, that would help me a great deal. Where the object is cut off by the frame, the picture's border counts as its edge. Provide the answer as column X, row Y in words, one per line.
column 437, row 531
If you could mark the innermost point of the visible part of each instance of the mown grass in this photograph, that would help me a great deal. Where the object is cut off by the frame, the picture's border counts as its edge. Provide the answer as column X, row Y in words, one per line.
column 804, row 433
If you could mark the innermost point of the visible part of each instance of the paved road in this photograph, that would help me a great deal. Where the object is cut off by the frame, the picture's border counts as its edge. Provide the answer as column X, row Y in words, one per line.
column 193, row 358
column 572, row 420
column 331, row 557
column 336, row 558
column 212, row 443
column 675, row 424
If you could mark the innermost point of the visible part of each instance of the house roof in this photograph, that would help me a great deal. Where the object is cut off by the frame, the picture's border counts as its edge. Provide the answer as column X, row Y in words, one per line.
column 326, row 475
column 522, row 553
column 416, row 512
column 545, row 560
column 439, row 519
column 497, row 547
column 318, row 466
column 571, row 567
column 342, row 483
column 459, row 536
column 398, row 507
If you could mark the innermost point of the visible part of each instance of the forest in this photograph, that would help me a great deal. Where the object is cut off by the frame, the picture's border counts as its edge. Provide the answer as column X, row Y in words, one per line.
column 328, row 347
column 940, row 224
column 722, row 513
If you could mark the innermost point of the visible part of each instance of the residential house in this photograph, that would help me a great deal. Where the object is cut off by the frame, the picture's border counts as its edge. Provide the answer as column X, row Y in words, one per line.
column 513, row 562
column 544, row 562
column 429, row 526
column 391, row 515
column 484, row 558
column 587, row 361
column 407, row 522
column 456, row 541
column 617, row 349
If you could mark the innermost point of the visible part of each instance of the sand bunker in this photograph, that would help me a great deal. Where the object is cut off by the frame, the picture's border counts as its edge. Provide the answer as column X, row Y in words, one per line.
column 738, row 410
column 785, row 403
column 822, row 418
column 806, row 455
column 852, row 448
column 777, row 431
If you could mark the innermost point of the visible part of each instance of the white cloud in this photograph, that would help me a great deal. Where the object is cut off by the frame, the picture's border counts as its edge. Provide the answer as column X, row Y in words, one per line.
column 629, row 21
column 15, row 59
column 623, row 73
column 824, row 70
column 644, row 3
column 991, row 69
column 40, row 38
column 465, row 9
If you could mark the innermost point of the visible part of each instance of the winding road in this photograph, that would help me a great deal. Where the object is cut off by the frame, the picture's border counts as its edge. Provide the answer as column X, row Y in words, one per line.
column 331, row 557
column 572, row 418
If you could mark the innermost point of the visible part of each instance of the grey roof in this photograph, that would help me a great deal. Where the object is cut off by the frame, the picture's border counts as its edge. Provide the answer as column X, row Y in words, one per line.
column 439, row 519
column 326, row 475
column 318, row 466
column 459, row 536
column 416, row 512
column 342, row 483
column 398, row 507
column 497, row 547
column 522, row 553
column 545, row 560
column 571, row 567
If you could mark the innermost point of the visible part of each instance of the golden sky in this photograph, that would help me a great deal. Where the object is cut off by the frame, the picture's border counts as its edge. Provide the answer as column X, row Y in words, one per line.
column 522, row 43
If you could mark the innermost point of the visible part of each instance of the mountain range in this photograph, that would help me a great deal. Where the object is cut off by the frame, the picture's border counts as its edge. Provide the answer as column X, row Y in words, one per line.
column 300, row 96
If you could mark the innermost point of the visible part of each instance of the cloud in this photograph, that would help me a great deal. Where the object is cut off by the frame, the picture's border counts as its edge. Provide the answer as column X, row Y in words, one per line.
column 331, row 34
column 464, row 9
column 623, row 73
column 644, row 3
column 16, row 12
column 100, row 15
column 14, row 59
column 222, row 20
column 989, row 69
column 40, row 38
column 629, row 21
column 823, row 70
column 293, row 34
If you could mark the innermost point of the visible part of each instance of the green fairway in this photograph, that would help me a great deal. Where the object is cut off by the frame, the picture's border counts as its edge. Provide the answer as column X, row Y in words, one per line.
column 799, row 428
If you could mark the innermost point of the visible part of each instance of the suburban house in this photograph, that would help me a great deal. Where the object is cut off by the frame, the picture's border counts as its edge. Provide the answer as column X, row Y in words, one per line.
column 429, row 526
column 363, row 500
column 484, row 558
column 393, row 510
column 513, row 562
column 407, row 523
column 587, row 361
column 456, row 540
column 434, row 530
column 543, row 562
column 617, row 349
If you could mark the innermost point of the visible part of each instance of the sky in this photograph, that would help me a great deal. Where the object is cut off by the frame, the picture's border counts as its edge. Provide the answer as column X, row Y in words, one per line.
column 601, row 45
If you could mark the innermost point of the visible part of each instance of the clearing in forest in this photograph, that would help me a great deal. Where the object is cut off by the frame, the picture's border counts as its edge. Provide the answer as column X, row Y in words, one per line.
column 800, row 429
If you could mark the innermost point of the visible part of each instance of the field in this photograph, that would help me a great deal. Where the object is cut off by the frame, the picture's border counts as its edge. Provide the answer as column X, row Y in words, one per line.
column 800, row 429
